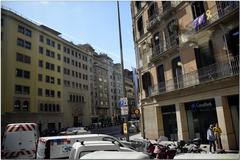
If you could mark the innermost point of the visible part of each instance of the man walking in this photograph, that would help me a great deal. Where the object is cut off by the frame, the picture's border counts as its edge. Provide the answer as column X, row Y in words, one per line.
column 211, row 138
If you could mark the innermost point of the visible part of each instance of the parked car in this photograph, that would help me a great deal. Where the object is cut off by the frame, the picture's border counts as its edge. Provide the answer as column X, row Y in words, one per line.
column 60, row 146
column 75, row 131
column 115, row 155
column 79, row 149
column 20, row 141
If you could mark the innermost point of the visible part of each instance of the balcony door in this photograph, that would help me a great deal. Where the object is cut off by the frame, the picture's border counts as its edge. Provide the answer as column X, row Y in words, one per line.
column 177, row 73
column 161, row 79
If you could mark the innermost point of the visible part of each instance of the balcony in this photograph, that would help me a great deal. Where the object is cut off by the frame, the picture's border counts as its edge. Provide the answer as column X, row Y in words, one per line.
column 214, row 72
column 153, row 21
column 163, row 11
column 161, row 50
column 211, row 18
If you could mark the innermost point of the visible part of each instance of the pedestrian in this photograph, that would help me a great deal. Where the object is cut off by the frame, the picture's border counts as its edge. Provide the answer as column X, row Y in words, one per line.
column 211, row 138
column 217, row 132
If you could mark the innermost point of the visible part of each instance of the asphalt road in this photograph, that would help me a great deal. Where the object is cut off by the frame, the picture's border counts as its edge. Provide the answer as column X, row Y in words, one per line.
column 113, row 130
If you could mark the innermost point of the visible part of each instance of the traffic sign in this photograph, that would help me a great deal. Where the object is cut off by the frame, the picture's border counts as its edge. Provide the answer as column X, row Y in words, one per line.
column 124, row 111
column 123, row 102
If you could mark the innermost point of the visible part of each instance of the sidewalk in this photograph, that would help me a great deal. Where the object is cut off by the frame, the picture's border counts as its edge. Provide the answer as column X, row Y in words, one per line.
column 203, row 146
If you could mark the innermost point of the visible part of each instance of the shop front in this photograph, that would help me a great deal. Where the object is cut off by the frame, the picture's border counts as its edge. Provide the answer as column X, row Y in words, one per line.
column 200, row 114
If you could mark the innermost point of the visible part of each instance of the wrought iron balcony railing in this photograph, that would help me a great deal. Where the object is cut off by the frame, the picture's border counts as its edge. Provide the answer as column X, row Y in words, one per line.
column 163, row 10
column 168, row 43
column 213, row 14
column 217, row 71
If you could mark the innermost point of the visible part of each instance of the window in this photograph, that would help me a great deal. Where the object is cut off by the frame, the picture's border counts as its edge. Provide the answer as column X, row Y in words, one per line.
column 59, row 81
column 24, row 31
column 40, row 77
column 22, row 73
column 41, row 107
column 52, row 54
column 58, row 68
column 28, row 32
column 25, row 106
column 59, row 57
column 52, row 43
column 17, row 105
column 40, row 92
column 47, row 93
column 73, row 62
column 27, row 45
column 41, row 38
column 52, row 93
column 197, row 9
column 138, row 5
column 48, row 41
column 58, row 108
column 47, row 79
column 19, row 89
column 59, row 94
column 23, row 58
column 140, row 26
column 20, row 42
column 64, row 49
column 166, row 5
column 52, row 80
column 48, row 53
column 40, row 63
column 21, row 29
column 46, row 107
column 40, row 50
column 59, row 46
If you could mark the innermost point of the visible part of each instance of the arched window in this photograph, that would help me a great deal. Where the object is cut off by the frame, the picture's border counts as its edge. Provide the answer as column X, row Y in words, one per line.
column 25, row 106
column 17, row 105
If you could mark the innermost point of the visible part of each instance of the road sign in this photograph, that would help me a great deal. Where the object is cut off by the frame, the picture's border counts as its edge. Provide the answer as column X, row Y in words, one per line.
column 124, row 111
column 123, row 102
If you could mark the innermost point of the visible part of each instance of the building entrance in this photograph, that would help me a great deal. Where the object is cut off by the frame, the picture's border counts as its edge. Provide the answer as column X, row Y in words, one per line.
column 169, row 122
column 200, row 114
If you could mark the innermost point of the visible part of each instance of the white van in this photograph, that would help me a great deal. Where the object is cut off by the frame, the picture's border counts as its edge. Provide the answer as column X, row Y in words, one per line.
column 79, row 149
column 20, row 140
column 60, row 146
column 115, row 155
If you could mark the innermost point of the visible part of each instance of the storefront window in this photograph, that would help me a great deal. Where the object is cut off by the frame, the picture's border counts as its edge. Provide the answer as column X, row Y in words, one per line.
column 200, row 114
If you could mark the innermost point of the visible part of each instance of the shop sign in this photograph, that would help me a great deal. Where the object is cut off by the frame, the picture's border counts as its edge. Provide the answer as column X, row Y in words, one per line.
column 124, row 111
column 125, row 130
column 194, row 106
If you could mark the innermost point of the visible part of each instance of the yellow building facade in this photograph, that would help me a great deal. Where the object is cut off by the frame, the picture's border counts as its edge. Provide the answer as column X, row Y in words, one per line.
column 34, row 76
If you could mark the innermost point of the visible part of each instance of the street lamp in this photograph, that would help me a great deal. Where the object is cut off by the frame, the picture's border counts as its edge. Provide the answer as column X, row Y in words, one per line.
column 121, row 52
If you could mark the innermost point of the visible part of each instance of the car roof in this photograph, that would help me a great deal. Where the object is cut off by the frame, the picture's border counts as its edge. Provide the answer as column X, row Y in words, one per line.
column 115, row 155
column 75, row 136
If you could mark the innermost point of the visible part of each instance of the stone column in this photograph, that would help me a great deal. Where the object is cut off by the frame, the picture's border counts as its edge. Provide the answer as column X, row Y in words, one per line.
column 160, row 129
column 225, row 123
column 181, row 121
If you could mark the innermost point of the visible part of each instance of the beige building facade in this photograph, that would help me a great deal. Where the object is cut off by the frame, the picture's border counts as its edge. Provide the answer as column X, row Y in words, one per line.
column 188, row 64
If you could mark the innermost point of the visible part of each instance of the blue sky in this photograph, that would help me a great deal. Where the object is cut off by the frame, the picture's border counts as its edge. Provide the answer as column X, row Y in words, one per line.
column 93, row 22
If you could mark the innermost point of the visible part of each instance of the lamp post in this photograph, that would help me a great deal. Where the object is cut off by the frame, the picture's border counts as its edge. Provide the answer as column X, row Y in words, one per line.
column 121, row 53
